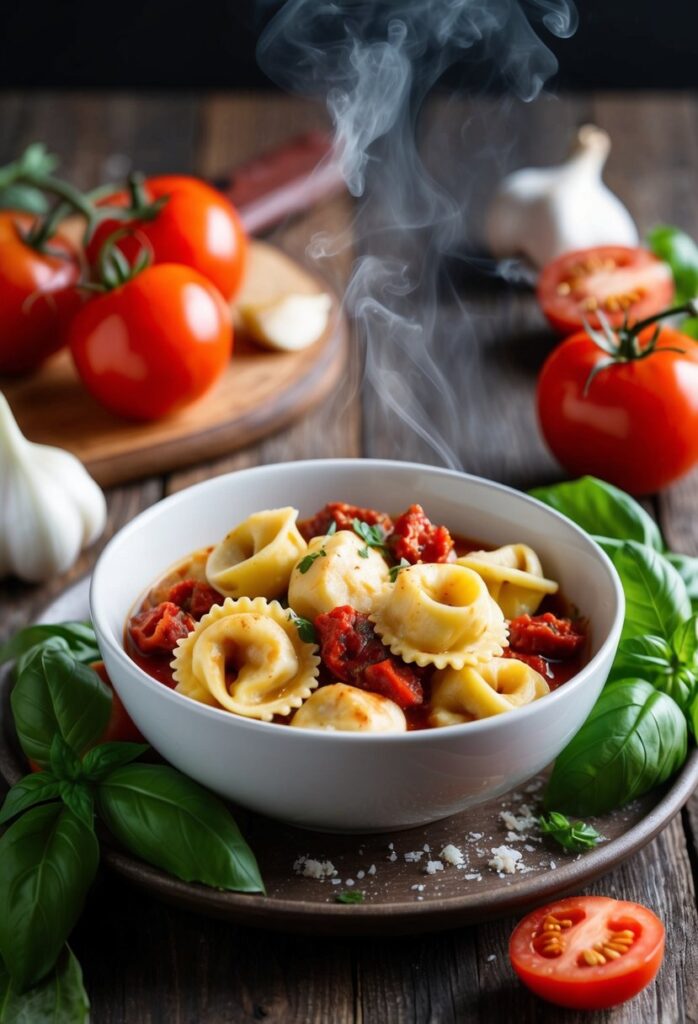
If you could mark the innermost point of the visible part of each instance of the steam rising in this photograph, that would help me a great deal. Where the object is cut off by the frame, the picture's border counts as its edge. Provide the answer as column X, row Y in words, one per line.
column 374, row 62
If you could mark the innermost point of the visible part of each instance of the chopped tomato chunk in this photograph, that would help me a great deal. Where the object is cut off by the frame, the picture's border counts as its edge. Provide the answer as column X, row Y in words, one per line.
column 546, row 635
column 395, row 680
column 352, row 652
column 416, row 539
column 343, row 515
column 158, row 629
column 194, row 597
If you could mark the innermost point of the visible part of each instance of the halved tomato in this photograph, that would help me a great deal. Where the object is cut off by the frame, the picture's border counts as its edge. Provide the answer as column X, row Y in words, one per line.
column 588, row 952
column 620, row 281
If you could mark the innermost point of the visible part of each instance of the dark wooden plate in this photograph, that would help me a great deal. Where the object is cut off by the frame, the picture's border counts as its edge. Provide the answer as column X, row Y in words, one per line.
column 393, row 902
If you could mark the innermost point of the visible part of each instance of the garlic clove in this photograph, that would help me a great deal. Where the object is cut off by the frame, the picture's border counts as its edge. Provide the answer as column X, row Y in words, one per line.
column 50, row 508
column 288, row 323
column 541, row 213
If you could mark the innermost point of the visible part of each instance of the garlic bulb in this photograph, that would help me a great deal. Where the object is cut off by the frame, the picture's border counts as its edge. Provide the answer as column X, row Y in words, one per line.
column 50, row 507
column 288, row 323
column 540, row 213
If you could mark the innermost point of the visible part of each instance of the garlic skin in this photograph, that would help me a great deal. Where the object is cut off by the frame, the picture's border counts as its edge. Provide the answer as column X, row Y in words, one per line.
column 290, row 322
column 541, row 213
column 50, row 507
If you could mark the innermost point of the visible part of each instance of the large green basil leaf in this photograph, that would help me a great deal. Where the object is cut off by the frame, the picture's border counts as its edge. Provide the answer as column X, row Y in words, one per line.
column 644, row 657
column 47, row 862
column 687, row 568
column 656, row 601
column 33, row 789
column 685, row 642
column 172, row 822
column 601, row 509
column 59, row 999
column 634, row 738
column 79, row 639
column 54, row 693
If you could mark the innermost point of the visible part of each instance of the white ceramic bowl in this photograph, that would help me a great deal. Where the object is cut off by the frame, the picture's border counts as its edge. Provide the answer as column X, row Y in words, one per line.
column 349, row 782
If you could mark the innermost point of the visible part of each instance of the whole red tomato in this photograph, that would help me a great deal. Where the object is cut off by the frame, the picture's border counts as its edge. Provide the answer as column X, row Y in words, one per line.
column 37, row 295
column 635, row 423
column 153, row 344
column 195, row 226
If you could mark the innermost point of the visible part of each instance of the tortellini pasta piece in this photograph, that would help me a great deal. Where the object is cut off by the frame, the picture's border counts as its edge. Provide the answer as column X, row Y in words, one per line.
column 514, row 577
column 440, row 614
column 342, row 708
column 247, row 657
column 499, row 685
column 256, row 558
column 343, row 571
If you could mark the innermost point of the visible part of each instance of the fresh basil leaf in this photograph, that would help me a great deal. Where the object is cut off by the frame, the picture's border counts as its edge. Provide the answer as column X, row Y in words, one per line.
column 634, row 739
column 693, row 716
column 600, row 508
column 65, row 764
column 102, row 759
column 571, row 835
column 54, row 693
column 78, row 797
column 685, row 642
column 59, row 999
column 687, row 568
column 79, row 636
column 656, row 601
column 349, row 896
column 172, row 822
column 681, row 686
column 47, row 862
column 644, row 657
column 33, row 789
column 306, row 630
column 679, row 250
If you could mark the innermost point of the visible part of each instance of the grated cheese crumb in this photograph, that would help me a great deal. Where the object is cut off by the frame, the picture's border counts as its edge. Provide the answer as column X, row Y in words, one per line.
column 413, row 856
column 393, row 856
column 349, row 882
column 491, row 958
column 310, row 868
column 453, row 855
column 419, row 888
column 476, row 835
column 505, row 860
column 475, row 876
column 360, row 874
column 432, row 866
column 371, row 870
column 521, row 822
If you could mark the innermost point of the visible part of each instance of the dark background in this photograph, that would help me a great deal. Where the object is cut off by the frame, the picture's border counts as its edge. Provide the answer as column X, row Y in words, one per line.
column 211, row 43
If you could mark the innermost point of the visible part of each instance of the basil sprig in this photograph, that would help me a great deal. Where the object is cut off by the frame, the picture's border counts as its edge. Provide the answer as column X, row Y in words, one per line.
column 60, row 998
column 76, row 637
column 679, row 250
column 49, row 853
column 636, row 735
column 571, row 835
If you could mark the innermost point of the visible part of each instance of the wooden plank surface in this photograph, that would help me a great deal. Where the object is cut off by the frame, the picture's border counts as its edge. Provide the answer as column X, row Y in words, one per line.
column 145, row 962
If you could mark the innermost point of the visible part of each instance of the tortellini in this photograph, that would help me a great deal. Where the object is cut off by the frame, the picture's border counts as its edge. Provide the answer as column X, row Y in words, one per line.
column 247, row 657
column 499, row 685
column 343, row 708
column 440, row 614
column 343, row 571
column 256, row 558
column 514, row 577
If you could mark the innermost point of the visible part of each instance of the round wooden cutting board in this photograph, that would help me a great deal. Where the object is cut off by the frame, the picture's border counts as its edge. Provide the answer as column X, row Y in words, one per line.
column 399, row 895
column 259, row 392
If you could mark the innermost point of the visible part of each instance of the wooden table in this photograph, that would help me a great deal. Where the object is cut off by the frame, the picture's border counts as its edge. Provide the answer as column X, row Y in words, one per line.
column 145, row 962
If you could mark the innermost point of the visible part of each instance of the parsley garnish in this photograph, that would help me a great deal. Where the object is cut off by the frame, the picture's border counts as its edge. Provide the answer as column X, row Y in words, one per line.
column 332, row 530
column 395, row 569
column 306, row 562
column 372, row 536
column 306, row 630
column 572, row 835
column 349, row 896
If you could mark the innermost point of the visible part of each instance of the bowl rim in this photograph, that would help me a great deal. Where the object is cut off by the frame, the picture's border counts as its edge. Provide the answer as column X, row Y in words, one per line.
column 320, row 736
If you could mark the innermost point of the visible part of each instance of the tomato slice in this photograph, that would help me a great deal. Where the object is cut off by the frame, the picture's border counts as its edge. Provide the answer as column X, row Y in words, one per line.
column 588, row 952
column 618, row 280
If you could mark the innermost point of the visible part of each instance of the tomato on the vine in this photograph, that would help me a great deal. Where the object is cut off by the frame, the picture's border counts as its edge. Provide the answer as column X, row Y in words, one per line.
column 37, row 294
column 628, row 415
column 615, row 279
column 588, row 952
column 183, row 220
column 154, row 342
